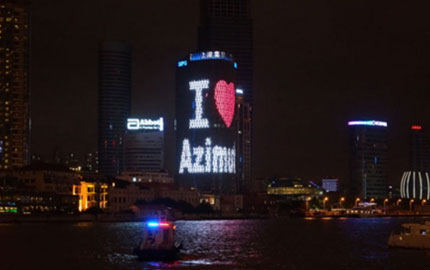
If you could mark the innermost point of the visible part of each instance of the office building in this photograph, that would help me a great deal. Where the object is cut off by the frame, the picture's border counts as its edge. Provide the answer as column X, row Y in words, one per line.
column 245, row 182
column 91, row 162
column 415, row 182
column 227, row 25
column 206, row 126
column 114, row 104
column 368, row 159
column 419, row 151
column 14, row 85
column 144, row 145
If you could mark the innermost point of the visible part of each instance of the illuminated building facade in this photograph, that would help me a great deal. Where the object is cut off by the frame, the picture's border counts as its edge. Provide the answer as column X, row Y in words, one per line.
column 206, row 126
column 227, row 25
column 91, row 195
column 368, row 159
column 415, row 183
column 14, row 85
column 292, row 188
column 144, row 145
column 114, row 104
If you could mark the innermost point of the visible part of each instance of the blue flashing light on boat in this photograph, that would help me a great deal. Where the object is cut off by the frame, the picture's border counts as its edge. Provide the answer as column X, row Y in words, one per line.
column 152, row 224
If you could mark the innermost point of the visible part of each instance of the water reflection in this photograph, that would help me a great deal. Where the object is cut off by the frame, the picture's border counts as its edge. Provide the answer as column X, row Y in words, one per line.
column 350, row 243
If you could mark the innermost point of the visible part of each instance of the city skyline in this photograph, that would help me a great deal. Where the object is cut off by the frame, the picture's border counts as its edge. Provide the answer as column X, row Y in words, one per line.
column 316, row 67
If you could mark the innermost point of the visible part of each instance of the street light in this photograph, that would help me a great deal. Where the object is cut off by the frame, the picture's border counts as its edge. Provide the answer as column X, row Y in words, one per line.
column 410, row 204
column 385, row 205
column 385, row 202
column 307, row 203
column 324, row 202
column 372, row 200
column 423, row 202
column 398, row 202
column 342, row 199
column 356, row 202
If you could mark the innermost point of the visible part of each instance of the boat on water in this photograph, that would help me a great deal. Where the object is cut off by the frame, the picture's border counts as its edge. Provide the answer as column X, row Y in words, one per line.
column 413, row 235
column 158, row 242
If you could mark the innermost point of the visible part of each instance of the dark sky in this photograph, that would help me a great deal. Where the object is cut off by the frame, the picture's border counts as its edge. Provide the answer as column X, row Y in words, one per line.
column 318, row 64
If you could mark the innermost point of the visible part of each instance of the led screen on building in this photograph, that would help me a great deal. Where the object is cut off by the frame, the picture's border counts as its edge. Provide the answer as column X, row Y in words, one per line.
column 205, row 123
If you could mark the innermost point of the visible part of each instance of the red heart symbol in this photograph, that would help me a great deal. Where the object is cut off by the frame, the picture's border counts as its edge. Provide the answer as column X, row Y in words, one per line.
column 225, row 99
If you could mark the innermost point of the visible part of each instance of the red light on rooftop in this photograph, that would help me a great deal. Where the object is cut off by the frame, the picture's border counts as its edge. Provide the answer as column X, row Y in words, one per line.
column 416, row 127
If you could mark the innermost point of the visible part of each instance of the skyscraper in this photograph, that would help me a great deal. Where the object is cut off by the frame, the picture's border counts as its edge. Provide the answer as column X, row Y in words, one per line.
column 226, row 25
column 206, row 130
column 415, row 182
column 245, row 183
column 14, row 85
column 419, row 149
column 368, row 159
column 114, row 104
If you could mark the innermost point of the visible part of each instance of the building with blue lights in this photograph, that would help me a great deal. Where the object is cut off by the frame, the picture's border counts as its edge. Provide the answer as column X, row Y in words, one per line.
column 114, row 104
column 368, row 159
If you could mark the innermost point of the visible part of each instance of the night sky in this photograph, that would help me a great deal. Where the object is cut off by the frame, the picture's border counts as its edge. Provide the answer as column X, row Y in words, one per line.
column 318, row 64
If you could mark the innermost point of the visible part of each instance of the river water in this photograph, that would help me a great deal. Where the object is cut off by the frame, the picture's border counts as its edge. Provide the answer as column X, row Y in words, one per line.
column 219, row 244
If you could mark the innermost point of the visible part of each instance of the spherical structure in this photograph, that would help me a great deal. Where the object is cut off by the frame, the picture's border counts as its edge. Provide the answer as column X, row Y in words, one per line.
column 415, row 185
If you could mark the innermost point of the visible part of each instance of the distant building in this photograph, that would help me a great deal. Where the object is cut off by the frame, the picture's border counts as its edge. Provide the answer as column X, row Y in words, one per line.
column 91, row 162
column 144, row 145
column 114, row 104
column 227, row 25
column 44, row 178
column 246, row 182
column 72, row 161
column 415, row 183
column 330, row 185
column 419, row 149
column 292, row 188
column 14, row 84
column 368, row 159
column 123, row 194
column 146, row 177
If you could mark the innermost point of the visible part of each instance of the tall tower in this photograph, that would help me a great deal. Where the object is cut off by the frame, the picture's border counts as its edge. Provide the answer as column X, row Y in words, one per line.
column 415, row 183
column 419, row 149
column 226, row 25
column 114, row 104
column 14, row 85
column 205, row 122
column 368, row 159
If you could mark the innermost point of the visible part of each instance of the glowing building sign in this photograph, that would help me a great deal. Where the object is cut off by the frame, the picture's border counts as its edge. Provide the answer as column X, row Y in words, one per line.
column 209, row 158
column 198, row 87
column 206, row 123
column 145, row 124
column 368, row 123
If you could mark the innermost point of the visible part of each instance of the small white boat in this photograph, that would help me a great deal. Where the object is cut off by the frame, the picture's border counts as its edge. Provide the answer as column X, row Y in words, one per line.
column 414, row 235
